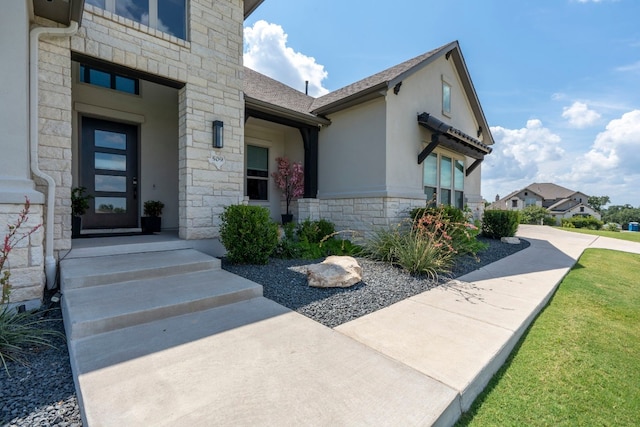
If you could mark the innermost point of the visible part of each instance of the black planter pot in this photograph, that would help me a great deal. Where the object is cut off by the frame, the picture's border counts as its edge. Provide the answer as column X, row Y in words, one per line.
column 151, row 224
column 287, row 218
column 76, row 226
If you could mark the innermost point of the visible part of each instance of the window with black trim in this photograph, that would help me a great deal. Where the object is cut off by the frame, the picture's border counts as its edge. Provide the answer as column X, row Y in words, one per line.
column 109, row 80
column 168, row 16
column 257, row 172
column 443, row 179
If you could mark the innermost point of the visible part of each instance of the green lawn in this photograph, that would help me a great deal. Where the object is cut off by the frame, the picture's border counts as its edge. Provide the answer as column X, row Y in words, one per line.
column 579, row 363
column 622, row 235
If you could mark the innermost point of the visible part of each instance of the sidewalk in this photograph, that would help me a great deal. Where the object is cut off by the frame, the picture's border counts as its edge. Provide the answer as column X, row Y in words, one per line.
column 418, row 362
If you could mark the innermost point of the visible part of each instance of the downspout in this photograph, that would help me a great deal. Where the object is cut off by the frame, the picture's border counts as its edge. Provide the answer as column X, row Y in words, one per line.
column 50, row 202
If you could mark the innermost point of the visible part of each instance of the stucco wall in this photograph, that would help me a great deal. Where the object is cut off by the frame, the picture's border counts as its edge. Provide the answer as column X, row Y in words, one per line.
column 351, row 153
column 422, row 92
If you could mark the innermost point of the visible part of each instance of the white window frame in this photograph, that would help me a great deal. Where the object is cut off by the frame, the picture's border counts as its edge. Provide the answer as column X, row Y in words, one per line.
column 447, row 90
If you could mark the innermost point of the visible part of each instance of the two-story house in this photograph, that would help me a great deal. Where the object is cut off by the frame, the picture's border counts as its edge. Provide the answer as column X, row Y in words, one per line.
column 559, row 201
column 139, row 101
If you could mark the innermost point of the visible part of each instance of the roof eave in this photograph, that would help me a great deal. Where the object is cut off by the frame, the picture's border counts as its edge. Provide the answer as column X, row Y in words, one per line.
column 60, row 11
column 250, row 6
column 277, row 110
column 373, row 92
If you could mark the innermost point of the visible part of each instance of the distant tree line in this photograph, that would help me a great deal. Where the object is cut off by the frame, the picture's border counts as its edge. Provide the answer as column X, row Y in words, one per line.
column 620, row 214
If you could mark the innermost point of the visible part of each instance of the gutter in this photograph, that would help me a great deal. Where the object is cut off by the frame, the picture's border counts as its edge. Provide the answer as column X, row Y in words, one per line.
column 50, row 202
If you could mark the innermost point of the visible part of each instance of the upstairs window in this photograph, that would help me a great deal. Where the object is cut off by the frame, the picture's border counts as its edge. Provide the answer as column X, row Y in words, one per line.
column 446, row 98
column 168, row 16
column 109, row 80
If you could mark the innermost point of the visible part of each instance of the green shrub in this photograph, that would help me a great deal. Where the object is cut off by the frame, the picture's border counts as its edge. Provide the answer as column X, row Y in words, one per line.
column 312, row 240
column 315, row 231
column 612, row 226
column 587, row 222
column 497, row 223
column 449, row 213
column 248, row 234
column 535, row 214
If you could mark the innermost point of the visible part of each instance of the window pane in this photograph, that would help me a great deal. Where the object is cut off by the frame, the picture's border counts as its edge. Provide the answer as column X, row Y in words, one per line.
column 445, row 172
column 257, row 158
column 459, row 202
column 172, row 17
column 458, row 178
column 111, row 183
column 108, row 139
column 110, row 205
column 99, row 78
column 136, row 10
column 261, row 174
column 125, row 84
column 98, row 3
column 445, row 197
column 446, row 98
column 431, row 170
column 431, row 195
column 114, row 162
column 257, row 189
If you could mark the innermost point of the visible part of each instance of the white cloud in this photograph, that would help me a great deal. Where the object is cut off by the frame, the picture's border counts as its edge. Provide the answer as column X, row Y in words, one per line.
column 521, row 157
column 579, row 115
column 635, row 67
column 266, row 51
column 615, row 153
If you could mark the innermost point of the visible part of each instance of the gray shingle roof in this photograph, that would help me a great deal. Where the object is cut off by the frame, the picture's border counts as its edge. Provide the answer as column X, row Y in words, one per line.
column 377, row 79
column 263, row 88
column 550, row 191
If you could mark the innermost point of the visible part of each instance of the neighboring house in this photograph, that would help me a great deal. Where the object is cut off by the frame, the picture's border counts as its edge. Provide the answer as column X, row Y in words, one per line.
column 385, row 144
column 131, row 104
column 559, row 201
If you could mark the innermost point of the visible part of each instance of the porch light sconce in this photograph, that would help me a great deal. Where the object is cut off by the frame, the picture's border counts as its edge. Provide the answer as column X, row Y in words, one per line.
column 218, row 139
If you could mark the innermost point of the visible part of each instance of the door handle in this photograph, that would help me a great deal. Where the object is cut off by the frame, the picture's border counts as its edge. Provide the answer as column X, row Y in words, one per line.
column 135, row 188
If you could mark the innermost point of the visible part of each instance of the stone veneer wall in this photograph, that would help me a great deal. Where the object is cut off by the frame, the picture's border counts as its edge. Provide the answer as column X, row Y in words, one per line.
column 359, row 214
column 210, row 65
column 26, row 260
column 54, row 116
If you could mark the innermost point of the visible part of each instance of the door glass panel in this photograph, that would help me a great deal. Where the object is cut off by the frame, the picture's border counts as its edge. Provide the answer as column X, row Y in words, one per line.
column 110, row 205
column 111, row 183
column 114, row 162
column 108, row 139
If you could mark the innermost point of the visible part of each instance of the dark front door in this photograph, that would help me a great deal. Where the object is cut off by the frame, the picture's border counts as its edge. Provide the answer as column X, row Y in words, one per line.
column 109, row 171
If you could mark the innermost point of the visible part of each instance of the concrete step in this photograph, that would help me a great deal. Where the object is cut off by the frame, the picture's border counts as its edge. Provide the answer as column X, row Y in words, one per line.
column 98, row 309
column 83, row 272
column 110, row 246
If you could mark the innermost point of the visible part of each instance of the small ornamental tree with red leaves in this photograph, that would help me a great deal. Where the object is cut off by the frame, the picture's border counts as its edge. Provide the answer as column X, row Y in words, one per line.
column 290, row 179
column 11, row 239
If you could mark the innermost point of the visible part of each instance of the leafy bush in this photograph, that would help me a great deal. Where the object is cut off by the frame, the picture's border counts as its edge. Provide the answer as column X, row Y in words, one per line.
column 312, row 240
column 449, row 213
column 588, row 222
column 315, row 231
column 248, row 234
column 535, row 214
column 612, row 226
column 497, row 223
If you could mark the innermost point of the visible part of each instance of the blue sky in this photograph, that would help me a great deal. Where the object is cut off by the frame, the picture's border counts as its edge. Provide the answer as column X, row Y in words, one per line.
column 559, row 80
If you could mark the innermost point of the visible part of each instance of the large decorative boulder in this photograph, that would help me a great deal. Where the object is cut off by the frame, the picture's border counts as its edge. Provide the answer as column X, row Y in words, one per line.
column 510, row 240
column 334, row 272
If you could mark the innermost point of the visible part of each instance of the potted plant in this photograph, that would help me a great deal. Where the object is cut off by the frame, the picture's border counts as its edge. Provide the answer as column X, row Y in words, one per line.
column 151, row 221
column 79, row 206
column 290, row 179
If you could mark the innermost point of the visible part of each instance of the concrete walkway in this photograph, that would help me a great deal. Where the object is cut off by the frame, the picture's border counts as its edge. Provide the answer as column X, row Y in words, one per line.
column 419, row 362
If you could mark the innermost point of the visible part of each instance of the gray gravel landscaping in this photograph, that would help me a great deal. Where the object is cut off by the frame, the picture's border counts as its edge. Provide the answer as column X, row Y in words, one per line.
column 42, row 392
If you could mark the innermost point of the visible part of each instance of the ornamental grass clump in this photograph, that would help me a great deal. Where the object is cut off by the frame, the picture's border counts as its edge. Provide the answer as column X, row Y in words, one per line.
column 20, row 331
